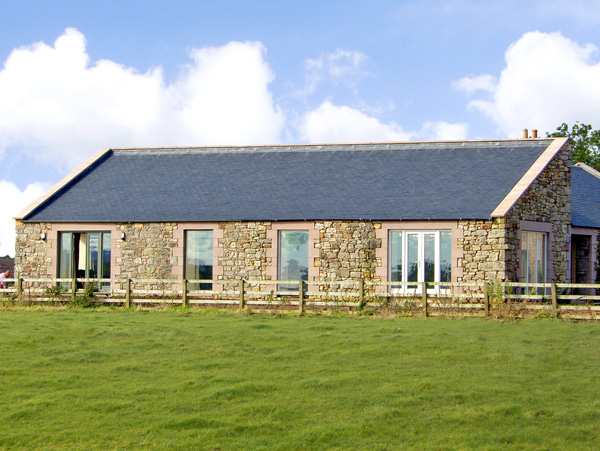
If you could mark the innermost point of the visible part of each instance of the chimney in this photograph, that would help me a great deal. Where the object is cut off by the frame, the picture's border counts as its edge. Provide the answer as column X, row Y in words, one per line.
column 525, row 133
column 534, row 133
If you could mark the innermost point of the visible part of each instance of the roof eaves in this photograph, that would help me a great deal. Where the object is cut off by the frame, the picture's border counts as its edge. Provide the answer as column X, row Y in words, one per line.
column 62, row 184
column 528, row 178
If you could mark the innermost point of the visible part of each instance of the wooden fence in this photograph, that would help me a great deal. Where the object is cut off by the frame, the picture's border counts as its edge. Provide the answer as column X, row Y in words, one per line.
column 580, row 301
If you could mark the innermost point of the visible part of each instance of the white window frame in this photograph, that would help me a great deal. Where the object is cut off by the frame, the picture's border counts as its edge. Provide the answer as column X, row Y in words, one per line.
column 407, row 289
column 525, row 261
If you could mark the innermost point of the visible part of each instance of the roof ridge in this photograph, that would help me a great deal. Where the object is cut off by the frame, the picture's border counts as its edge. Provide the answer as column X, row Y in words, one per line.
column 321, row 147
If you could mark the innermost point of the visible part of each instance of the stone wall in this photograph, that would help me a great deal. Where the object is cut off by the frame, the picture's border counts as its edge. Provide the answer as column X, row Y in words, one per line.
column 347, row 249
column 31, row 258
column 245, row 247
column 484, row 246
column 146, row 251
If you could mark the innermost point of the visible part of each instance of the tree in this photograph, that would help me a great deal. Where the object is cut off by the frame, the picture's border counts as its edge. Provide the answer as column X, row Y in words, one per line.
column 585, row 140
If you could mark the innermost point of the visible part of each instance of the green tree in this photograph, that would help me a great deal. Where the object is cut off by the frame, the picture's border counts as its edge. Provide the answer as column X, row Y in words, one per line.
column 585, row 140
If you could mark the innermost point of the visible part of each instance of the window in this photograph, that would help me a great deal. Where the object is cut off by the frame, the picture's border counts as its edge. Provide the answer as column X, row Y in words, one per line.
column 533, row 257
column 419, row 256
column 84, row 255
column 199, row 258
column 293, row 257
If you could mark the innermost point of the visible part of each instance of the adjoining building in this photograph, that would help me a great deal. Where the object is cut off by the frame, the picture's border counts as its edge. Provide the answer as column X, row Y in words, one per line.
column 489, row 210
column 585, row 224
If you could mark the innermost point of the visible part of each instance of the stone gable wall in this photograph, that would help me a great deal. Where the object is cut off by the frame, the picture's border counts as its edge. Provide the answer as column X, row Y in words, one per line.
column 547, row 200
column 492, row 248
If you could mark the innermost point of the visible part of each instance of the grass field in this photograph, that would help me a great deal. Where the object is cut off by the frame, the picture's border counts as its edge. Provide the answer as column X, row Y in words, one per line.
column 80, row 379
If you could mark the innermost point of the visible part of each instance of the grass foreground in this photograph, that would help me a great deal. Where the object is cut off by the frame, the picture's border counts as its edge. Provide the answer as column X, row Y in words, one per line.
column 176, row 379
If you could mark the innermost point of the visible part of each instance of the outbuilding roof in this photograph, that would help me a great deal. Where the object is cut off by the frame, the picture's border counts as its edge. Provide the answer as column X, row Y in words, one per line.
column 585, row 193
column 373, row 181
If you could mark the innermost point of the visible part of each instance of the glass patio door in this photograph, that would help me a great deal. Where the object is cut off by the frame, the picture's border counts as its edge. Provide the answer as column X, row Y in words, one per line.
column 419, row 256
column 85, row 255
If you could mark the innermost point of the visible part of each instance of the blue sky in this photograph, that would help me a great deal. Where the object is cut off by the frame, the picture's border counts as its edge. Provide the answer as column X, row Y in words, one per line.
column 76, row 76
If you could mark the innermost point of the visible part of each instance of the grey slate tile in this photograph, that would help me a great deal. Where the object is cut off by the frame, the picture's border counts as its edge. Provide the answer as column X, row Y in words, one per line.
column 386, row 181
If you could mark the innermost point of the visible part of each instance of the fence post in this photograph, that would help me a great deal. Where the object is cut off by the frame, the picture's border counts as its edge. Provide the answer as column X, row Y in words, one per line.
column 242, row 300
column 361, row 293
column 128, row 293
column 486, row 298
column 20, row 289
column 184, row 299
column 554, row 299
column 73, row 287
column 424, row 298
column 301, row 296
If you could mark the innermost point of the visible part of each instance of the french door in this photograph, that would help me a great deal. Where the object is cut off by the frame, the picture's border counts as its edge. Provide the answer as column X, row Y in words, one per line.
column 85, row 255
column 419, row 256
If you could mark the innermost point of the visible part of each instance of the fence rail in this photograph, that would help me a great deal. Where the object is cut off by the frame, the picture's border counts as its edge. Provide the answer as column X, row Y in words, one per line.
column 558, row 299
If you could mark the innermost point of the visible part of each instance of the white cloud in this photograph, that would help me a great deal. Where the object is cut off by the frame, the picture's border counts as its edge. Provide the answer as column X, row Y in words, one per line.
column 473, row 83
column 340, row 66
column 440, row 130
column 548, row 79
column 332, row 123
column 14, row 201
column 56, row 106
column 223, row 97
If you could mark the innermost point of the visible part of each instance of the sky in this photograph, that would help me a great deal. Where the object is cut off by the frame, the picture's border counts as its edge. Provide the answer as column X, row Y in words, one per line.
column 78, row 76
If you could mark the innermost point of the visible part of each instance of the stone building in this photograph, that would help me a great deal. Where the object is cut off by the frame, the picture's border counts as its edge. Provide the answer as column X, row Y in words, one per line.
column 585, row 224
column 494, row 210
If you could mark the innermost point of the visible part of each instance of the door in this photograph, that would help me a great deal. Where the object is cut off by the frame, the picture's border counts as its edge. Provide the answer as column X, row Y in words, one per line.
column 419, row 256
column 85, row 255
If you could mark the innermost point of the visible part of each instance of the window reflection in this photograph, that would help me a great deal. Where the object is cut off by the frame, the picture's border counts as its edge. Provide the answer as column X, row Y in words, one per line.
column 293, row 257
column 199, row 258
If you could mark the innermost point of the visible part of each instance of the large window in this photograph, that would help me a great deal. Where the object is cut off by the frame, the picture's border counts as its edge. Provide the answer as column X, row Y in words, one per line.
column 533, row 257
column 85, row 255
column 199, row 258
column 293, row 257
column 419, row 256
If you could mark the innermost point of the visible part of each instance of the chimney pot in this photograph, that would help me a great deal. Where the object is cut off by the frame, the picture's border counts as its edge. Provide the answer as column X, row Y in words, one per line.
column 534, row 133
column 525, row 133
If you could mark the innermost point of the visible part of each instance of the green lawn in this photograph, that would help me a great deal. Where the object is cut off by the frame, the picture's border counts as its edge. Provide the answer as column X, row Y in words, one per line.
column 84, row 379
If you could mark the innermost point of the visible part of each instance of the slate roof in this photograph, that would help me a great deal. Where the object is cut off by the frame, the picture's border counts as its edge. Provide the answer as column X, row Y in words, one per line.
column 585, row 194
column 381, row 181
